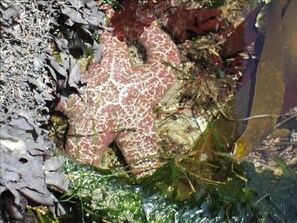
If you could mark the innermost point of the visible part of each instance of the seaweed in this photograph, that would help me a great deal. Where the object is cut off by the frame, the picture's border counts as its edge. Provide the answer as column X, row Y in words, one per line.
column 258, row 104
column 29, row 79
column 247, row 196
column 290, row 57
column 195, row 22
column 269, row 86
column 108, row 197
column 243, row 36
column 130, row 20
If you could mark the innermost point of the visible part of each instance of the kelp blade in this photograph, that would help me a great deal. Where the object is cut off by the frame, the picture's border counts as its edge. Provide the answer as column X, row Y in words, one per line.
column 289, row 25
column 290, row 55
column 268, row 90
column 269, row 87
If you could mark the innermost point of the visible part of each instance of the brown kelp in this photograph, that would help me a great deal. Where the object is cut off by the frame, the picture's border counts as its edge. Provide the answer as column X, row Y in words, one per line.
column 269, row 87
column 262, row 97
column 290, row 56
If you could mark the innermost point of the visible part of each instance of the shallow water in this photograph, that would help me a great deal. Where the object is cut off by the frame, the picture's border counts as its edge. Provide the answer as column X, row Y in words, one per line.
column 225, row 48
column 238, row 73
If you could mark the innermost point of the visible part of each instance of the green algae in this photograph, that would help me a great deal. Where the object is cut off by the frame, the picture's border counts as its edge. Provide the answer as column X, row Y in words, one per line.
column 95, row 196
column 99, row 197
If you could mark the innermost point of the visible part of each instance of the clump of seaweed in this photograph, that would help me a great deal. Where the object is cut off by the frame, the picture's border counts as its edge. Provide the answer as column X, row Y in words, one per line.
column 27, row 89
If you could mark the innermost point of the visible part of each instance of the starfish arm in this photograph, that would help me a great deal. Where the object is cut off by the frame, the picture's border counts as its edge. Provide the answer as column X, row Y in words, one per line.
column 88, row 148
column 140, row 151
column 159, row 46
column 86, row 138
column 156, row 79
column 156, row 75
column 114, row 64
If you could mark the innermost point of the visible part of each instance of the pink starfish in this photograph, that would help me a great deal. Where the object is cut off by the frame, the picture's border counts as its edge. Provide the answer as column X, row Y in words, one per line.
column 118, row 102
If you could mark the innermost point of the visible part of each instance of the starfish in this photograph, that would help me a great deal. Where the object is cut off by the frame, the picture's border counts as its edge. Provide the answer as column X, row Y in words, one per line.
column 118, row 101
